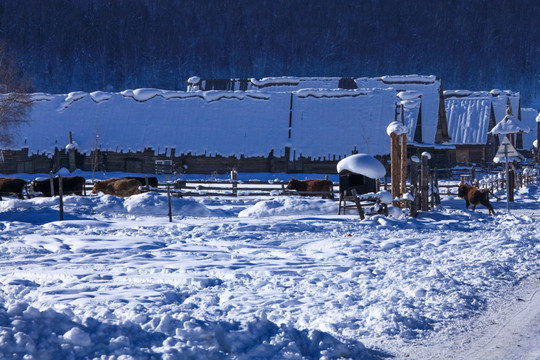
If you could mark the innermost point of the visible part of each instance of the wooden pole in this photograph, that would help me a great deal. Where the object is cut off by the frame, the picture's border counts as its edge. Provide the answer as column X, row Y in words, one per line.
column 424, row 184
column 394, row 165
column 52, row 183
column 61, row 193
column 169, row 200
column 436, row 193
column 414, row 188
column 403, row 164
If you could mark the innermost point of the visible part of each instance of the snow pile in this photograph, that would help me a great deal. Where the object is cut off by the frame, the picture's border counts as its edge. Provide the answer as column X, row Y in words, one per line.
column 157, row 204
column 289, row 206
column 384, row 197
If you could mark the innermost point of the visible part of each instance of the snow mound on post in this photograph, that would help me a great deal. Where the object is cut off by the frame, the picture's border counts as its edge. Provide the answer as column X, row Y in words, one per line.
column 397, row 128
column 362, row 164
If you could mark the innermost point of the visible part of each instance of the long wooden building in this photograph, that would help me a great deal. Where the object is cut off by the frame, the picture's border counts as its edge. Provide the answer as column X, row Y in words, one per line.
column 257, row 125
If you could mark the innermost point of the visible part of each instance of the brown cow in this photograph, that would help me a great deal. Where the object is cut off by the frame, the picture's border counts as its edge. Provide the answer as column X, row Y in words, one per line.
column 10, row 186
column 118, row 187
column 306, row 186
column 475, row 196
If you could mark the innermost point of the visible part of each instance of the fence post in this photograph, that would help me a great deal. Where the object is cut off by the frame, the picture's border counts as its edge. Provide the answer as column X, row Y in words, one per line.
column 424, row 182
column 511, row 185
column 61, row 193
column 52, row 183
column 436, row 192
column 169, row 201
column 234, row 179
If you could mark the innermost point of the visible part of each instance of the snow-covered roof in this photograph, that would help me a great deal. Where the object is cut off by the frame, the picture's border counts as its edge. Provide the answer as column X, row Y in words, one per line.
column 509, row 125
column 362, row 164
column 324, row 122
column 428, row 86
column 323, row 125
column 268, row 84
column 468, row 113
column 213, row 122
column 468, row 119
column 499, row 99
column 529, row 117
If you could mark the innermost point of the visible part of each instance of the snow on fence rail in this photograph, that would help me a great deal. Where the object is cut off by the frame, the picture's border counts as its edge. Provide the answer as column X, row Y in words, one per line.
column 226, row 188
column 494, row 182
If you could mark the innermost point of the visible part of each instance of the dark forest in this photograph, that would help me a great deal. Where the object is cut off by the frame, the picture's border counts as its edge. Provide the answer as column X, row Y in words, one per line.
column 68, row 45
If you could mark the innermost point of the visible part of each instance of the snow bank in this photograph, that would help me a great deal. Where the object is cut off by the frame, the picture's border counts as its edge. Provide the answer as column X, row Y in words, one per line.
column 290, row 206
column 157, row 205
column 49, row 335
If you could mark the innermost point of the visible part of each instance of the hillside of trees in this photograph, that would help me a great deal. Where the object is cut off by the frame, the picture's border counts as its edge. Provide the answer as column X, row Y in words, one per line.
column 68, row 45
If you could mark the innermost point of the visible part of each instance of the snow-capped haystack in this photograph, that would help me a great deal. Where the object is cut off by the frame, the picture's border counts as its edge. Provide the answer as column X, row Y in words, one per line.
column 509, row 125
column 397, row 128
column 362, row 164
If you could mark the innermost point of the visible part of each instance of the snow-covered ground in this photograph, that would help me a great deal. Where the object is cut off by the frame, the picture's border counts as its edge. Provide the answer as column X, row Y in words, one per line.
column 279, row 277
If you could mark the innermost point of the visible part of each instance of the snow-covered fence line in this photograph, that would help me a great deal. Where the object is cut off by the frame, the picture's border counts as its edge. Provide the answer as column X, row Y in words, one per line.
column 226, row 188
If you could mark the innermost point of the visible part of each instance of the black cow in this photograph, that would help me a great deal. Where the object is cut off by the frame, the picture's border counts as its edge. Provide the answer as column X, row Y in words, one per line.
column 70, row 185
column 10, row 186
column 152, row 180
